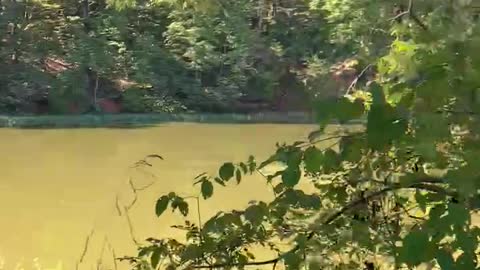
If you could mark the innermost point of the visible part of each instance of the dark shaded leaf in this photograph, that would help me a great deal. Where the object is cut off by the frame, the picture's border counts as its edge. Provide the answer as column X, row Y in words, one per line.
column 155, row 156
column 445, row 260
column 155, row 258
column 238, row 176
column 219, row 181
column 207, row 189
column 161, row 205
column 244, row 167
column 226, row 171
column 291, row 176
column 255, row 214
column 313, row 158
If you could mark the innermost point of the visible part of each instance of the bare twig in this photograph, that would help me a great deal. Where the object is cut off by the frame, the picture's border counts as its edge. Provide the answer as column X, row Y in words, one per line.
column 85, row 248
column 355, row 81
column 117, row 206
column 130, row 227
column 410, row 12
column 113, row 255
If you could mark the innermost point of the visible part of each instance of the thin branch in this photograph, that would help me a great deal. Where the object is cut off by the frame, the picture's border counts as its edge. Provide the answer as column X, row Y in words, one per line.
column 412, row 15
column 130, row 227
column 117, row 206
column 85, row 248
column 355, row 81
column 115, row 267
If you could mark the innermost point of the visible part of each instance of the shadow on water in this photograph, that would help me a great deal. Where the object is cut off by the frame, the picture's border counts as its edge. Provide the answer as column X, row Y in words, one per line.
column 136, row 121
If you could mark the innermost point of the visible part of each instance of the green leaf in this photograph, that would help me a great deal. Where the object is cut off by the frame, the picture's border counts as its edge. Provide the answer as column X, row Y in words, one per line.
column 294, row 157
column 341, row 109
column 238, row 176
column 466, row 261
column 421, row 200
column 416, row 248
column 351, row 148
column 191, row 252
column 291, row 176
column 445, row 260
column 383, row 126
column 161, row 205
column 255, row 214
column 183, row 207
column 200, row 175
column 180, row 204
column 155, row 258
column 313, row 158
column 292, row 260
column 226, row 171
column 219, row 181
column 252, row 165
column 279, row 188
column 458, row 214
column 331, row 161
column 244, row 167
column 347, row 110
column 207, row 189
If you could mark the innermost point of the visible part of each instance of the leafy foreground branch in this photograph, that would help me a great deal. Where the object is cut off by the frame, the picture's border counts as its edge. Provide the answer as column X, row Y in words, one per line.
column 399, row 191
column 422, row 185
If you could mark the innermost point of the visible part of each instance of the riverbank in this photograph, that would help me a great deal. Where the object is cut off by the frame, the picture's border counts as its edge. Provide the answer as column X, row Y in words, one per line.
column 140, row 120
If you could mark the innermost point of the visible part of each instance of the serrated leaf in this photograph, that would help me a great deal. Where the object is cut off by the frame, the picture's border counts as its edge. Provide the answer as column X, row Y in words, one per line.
column 226, row 171
column 161, row 205
column 291, row 176
column 207, row 189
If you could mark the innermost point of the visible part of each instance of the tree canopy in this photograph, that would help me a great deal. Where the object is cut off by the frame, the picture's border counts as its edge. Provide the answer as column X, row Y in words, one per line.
column 183, row 55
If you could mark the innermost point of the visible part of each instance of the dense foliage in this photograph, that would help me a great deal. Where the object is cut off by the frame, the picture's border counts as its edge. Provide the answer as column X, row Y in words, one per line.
column 245, row 55
column 402, row 187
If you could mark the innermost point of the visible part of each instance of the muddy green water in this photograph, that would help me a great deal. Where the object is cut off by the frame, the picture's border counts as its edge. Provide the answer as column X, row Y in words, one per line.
column 58, row 186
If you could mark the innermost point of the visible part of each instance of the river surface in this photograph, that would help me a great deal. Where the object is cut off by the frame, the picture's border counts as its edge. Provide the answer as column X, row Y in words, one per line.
column 60, row 187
